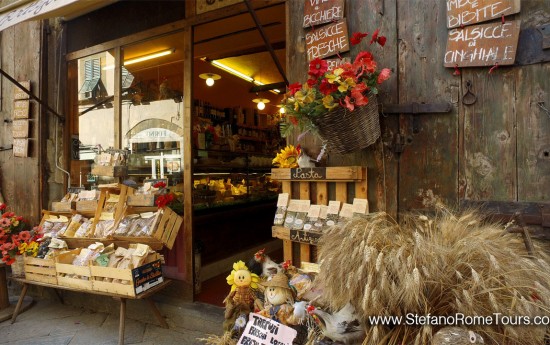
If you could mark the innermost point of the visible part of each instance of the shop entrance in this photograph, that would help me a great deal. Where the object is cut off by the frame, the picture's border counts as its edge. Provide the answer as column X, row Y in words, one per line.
column 235, row 137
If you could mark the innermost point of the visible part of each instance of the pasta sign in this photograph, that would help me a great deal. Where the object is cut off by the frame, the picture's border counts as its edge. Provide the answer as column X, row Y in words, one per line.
column 328, row 40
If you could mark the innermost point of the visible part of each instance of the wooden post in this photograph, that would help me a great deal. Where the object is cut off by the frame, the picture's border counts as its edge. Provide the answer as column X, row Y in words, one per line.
column 121, row 322
column 4, row 299
column 20, row 302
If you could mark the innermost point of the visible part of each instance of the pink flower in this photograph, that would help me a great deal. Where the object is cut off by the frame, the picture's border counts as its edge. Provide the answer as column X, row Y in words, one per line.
column 349, row 103
column 384, row 75
column 24, row 235
column 317, row 67
column 5, row 222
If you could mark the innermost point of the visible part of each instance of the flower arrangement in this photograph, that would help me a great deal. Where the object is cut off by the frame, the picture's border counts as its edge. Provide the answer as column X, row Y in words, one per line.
column 17, row 237
column 348, row 85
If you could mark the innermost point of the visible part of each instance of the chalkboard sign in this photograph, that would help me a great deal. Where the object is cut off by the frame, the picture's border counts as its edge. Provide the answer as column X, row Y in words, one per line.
column 21, row 109
column 21, row 147
column 20, row 128
column 327, row 40
column 322, row 11
column 19, row 93
column 302, row 236
column 308, row 173
column 468, row 12
column 483, row 45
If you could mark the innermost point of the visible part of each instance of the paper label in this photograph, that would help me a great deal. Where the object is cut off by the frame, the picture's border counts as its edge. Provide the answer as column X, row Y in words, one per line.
column 282, row 200
column 360, row 206
column 347, row 211
column 333, row 207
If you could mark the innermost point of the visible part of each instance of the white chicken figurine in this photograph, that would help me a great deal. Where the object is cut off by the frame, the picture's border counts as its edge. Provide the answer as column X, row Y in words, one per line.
column 263, row 266
column 456, row 336
column 304, row 161
column 342, row 326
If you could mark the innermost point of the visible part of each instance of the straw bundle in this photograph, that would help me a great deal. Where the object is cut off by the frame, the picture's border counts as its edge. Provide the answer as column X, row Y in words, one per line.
column 440, row 265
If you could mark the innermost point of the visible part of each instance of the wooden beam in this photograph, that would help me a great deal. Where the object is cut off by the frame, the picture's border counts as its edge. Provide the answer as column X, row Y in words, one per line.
column 266, row 40
column 242, row 52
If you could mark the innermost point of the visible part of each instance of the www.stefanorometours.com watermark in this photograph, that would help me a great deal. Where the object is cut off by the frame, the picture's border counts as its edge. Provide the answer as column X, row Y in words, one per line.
column 460, row 319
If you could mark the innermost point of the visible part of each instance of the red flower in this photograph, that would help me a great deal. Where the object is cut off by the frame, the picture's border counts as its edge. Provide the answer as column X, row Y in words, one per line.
column 286, row 264
column 8, row 260
column 317, row 67
column 2, row 206
column 327, row 88
column 311, row 82
column 384, row 75
column 357, row 37
column 380, row 40
column 294, row 88
column 163, row 200
column 349, row 103
column 160, row 184
column 310, row 309
column 374, row 36
column 293, row 120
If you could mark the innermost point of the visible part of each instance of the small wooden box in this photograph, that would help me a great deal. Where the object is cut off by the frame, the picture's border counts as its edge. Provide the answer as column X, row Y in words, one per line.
column 58, row 206
column 126, row 284
column 86, row 206
column 141, row 200
column 66, row 272
column 40, row 270
column 111, row 171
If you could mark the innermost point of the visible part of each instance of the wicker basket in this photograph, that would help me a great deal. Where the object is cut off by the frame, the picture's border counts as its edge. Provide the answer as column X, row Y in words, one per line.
column 346, row 131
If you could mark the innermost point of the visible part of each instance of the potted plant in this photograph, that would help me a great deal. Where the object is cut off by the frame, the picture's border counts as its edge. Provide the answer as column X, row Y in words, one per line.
column 339, row 105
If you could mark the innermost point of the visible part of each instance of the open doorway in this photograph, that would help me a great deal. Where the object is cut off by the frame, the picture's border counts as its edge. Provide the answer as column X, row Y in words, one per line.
column 236, row 90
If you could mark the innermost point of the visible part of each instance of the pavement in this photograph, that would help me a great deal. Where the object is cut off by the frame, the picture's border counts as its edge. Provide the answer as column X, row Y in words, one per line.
column 48, row 321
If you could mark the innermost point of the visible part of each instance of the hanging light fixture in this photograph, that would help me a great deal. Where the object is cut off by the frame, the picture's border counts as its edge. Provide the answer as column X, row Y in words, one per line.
column 209, row 77
column 261, row 102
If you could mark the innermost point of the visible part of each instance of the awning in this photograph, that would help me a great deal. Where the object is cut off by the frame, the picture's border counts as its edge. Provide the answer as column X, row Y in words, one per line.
column 17, row 11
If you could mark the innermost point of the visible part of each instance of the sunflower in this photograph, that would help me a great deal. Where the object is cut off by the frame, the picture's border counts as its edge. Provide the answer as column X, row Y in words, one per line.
column 287, row 158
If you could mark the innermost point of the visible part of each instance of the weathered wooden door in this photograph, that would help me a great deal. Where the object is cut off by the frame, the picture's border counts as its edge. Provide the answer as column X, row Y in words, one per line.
column 494, row 149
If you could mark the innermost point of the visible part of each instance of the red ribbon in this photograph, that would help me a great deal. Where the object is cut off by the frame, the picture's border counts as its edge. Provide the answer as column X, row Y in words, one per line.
column 493, row 68
column 457, row 71
column 503, row 20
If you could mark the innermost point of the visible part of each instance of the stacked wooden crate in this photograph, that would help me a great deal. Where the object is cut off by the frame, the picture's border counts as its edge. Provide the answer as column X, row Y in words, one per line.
column 318, row 185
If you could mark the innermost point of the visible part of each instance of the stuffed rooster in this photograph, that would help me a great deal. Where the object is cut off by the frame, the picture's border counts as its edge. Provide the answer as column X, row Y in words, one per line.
column 262, row 265
column 342, row 326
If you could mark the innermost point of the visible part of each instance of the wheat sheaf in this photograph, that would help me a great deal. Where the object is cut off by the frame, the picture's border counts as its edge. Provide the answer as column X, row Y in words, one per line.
column 445, row 264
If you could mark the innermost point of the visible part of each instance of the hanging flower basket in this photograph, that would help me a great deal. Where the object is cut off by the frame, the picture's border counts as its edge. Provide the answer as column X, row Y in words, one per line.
column 345, row 131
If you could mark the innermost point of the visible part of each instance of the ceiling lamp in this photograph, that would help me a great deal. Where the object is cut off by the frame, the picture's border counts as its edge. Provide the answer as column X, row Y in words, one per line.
column 261, row 102
column 209, row 77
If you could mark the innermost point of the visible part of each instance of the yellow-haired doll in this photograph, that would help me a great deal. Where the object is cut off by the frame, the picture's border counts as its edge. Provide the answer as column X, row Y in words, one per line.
column 241, row 299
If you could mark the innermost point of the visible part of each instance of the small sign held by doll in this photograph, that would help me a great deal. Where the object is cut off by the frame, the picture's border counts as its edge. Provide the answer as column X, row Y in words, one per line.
column 263, row 331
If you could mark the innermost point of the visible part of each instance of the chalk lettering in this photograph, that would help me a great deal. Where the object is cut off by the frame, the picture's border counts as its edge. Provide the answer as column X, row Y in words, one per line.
column 466, row 12
column 323, row 16
column 326, row 41
column 308, row 173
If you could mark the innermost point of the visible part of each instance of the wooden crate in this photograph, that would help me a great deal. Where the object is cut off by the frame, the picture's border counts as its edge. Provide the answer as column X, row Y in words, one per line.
column 342, row 183
column 65, row 271
column 124, row 285
column 40, row 270
column 168, row 227
column 58, row 206
column 86, row 206
column 111, row 171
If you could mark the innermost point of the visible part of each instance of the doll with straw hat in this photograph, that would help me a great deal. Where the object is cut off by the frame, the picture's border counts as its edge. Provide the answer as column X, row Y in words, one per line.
column 279, row 298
